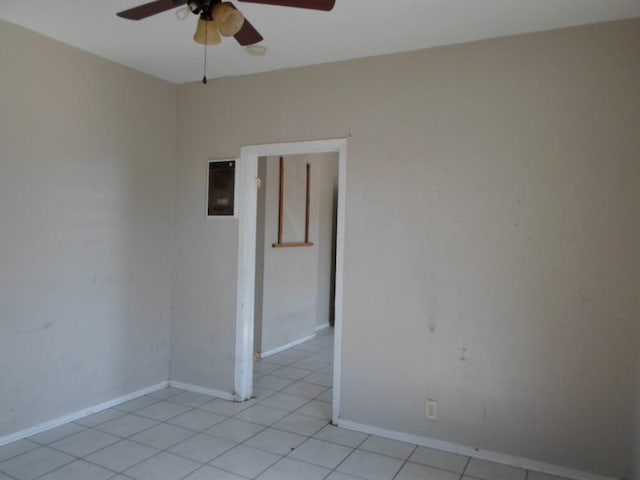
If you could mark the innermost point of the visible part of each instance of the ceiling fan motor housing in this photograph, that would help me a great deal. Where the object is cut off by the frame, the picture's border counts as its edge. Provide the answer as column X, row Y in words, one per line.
column 204, row 8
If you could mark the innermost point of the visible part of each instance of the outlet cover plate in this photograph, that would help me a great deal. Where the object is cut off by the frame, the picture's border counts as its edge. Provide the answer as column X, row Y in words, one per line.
column 431, row 410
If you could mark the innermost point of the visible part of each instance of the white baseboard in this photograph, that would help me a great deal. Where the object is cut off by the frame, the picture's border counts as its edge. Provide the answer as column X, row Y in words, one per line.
column 324, row 326
column 289, row 345
column 511, row 460
column 27, row 432
column 203, row 390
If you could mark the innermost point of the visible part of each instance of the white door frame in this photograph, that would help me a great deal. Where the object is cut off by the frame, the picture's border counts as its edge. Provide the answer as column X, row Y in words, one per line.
column 247, row 201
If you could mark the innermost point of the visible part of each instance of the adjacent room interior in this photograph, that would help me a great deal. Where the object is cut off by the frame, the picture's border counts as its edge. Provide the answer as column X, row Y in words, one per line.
column 295, row 249
column 474, row 248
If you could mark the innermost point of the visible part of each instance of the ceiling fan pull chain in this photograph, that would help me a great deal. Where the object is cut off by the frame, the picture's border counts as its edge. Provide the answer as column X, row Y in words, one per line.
column 204, row 78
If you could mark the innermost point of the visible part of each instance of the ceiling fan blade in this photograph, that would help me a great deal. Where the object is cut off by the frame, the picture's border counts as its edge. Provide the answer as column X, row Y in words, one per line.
column 248, row 35
column 149, row 9
column 325, row 5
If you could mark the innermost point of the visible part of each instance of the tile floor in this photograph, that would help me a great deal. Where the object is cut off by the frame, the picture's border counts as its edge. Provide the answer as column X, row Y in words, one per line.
column 282, row 434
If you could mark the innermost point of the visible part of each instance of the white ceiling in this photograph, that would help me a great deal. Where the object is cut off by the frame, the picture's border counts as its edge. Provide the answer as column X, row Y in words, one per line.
column 162, row 45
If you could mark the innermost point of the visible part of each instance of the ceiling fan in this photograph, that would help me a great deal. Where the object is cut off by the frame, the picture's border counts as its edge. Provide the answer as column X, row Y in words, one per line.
column 219, row 18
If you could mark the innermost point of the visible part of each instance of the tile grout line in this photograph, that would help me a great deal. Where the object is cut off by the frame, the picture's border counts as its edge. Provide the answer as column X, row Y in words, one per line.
column 464, row 469
column 415, row 447
column 348, row 456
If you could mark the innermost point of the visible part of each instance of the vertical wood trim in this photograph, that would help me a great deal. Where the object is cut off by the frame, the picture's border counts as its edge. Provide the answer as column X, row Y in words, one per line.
column 281, row 203
column 306, row 217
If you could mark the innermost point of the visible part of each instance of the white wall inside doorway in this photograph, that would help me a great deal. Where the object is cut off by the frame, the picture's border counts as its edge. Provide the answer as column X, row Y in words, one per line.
column 294, row 285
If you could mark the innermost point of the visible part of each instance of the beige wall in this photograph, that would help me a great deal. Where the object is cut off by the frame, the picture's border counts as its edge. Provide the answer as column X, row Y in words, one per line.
column 491, row 257
column 86, row 208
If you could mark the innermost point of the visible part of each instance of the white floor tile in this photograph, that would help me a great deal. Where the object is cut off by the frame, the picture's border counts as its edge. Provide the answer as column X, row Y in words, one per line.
column 265, row 367
column 122, row 455
column 127, row 425
column 300, row 424
column 326, row 396
column 79, row 470
column 136, row 404
column 162, row 411
column 261, row 393
column 309, row 364
column 288, row 356
column 191, row 399
column 287, row 469
column 162, row 436
column 57, row 433
column 275, row 441
column 319, row 378
column 202, row 448
column 262, row 415
column 326, row 369
column 271, row 382
column 235, row 430
column 414, row 471
column 341, row 476
column 279, row 362
column 439, row 459
column 295, row 354
column 208, row 472
column 16, row 448
column 245, row 461
column 303, row 389
column 291, row 373
column 100, row 417
column 197, row 420
column 341, row 436
column 486, row 470
column 386, row 446
column 165, row 393
column 370, row 466
column 163, row 466
column 284, row 401
column 35, row 463
column 321, row 453
column 227, row 408
column 322, row 355
column 316, row 408
column 542, row 476
column 85, row 442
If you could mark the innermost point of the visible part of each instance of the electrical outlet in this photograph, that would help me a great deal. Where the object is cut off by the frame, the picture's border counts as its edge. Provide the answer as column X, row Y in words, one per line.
column 432, row 410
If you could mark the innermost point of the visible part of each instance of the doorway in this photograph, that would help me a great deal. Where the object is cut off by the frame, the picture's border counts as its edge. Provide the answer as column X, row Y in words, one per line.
column 295, row 251
column 248, row 214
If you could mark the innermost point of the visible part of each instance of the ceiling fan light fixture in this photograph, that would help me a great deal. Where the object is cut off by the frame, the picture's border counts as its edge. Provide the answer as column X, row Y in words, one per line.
column 207, row 32
column 230, row 19
column 194, row 6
